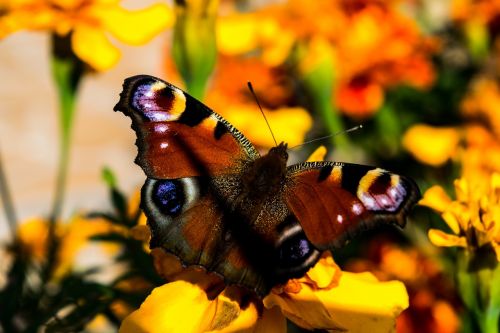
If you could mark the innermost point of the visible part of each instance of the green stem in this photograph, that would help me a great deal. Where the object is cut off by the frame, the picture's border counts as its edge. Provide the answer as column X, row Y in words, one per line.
column 10, row 213
column 67, row 71
column 333, row 123
column 194, row 47
column 490, row 320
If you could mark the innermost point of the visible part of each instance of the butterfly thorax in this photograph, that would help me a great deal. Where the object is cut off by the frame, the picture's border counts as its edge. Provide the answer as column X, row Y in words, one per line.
column 265, row 176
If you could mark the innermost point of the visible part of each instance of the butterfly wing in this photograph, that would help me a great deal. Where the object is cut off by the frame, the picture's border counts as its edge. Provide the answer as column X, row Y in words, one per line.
column 177, row 135
column 189, row 218
column 192, row 158
column 334, row 201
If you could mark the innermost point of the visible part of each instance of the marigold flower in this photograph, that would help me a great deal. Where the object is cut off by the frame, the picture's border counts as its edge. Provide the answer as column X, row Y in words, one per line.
column 472, row 217
column 483, row 102
column 432, row 299
column 234, row 102
column 324, row 298
column 87, row 22
column 352, row 30
column 33, row 234
column 432, row 145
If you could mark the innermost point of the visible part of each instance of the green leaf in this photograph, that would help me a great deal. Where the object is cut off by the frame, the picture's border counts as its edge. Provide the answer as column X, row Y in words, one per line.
column 109, row 177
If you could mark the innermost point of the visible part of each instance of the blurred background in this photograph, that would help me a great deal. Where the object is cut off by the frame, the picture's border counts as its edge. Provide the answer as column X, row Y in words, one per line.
column 421, row 76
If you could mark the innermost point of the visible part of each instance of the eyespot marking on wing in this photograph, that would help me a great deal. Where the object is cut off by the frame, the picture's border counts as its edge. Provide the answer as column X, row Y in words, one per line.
column 157, row 102
column 380, row 191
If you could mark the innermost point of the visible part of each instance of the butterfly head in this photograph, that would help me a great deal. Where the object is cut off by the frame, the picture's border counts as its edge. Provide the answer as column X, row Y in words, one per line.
column 280, row 152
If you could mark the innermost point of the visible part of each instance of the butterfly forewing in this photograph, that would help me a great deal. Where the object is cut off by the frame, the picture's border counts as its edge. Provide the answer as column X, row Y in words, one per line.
column 177, row 135
column 334, row 201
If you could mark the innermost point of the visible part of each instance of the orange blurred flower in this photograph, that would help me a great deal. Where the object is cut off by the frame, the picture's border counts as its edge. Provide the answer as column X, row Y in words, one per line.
column 482, row 103
column 433, row 303
column 230, row 97
column 356, row 30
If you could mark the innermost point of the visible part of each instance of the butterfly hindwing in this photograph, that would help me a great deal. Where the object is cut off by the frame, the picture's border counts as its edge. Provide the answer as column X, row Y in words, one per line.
column 189, row 218
column 177, row 135
column 334, row 201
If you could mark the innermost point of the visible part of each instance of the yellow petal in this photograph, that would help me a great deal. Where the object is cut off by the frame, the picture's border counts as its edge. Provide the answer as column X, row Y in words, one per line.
column 461, row 189
column 288, row 124
column 237, row 34
column 435, row 198
column 496, row 248
column 33, row 234
column 139, row 26
column 318, row 155
column 439, row 238
column 325, row 274
column 174, row 307
column 452, row 222
column 303, row 308
column 431, row 145
column 362, row 304
column 229, row 317
column 91, row 45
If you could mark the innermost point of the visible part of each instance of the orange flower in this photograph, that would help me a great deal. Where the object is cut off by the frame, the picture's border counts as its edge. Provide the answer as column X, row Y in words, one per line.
column 360, row 97
column 353, row 29
column 433, row 303
column 483, row 102
column 232, row 99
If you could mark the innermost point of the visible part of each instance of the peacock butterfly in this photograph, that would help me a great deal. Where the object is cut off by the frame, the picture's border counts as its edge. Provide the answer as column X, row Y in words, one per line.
column 212, row 200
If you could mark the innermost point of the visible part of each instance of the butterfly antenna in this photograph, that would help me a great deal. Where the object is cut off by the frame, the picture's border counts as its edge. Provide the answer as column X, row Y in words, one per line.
column 352, row 129
column 261, row 111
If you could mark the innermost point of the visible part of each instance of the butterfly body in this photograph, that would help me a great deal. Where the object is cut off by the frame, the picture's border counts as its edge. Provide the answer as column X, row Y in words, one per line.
column 212, row 200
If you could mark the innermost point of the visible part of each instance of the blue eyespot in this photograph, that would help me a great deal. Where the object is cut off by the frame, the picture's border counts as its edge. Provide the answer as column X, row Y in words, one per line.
column 295, row 250
column 168, row 195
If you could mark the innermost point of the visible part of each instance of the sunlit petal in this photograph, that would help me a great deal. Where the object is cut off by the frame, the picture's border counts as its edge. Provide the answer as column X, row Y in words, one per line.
column 174, row 307
column 303, row 308
column 360, row 303
column 436, row 198
column 139, row 26
column 92, row 46
column 325, row 274
column 431, row 145
column 318, row 154
column 440, row 238
column 452, row 222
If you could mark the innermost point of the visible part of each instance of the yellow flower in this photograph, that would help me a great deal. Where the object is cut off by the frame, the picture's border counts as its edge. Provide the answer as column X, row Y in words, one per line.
column 33, row 234
column 87, row 22
column 325, row 298
column 432, row 145
column 473, row 216
column 483, row 102
column 318, row 154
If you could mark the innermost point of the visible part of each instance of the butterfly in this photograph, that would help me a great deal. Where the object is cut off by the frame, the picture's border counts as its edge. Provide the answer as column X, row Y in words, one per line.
column 213, row 201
